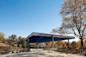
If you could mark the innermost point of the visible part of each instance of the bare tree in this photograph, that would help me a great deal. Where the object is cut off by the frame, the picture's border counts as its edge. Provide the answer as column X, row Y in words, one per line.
column 74, row 18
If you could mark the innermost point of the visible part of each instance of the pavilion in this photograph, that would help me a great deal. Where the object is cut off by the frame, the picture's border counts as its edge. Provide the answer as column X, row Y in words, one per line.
column 46, row 37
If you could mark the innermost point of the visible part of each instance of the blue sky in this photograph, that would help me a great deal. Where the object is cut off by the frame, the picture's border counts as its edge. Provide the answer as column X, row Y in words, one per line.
column 21, row 17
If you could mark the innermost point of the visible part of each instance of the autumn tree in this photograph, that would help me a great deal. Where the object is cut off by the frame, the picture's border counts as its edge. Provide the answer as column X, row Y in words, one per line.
column 74, row 18
column 2, row 37
column 13, row 37
column 12, row 40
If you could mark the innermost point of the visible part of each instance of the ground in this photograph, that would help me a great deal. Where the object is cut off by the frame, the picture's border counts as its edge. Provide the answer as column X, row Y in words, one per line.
column 41, row 53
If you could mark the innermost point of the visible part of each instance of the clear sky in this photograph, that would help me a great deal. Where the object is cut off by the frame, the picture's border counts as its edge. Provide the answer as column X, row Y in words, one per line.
column 22, row 17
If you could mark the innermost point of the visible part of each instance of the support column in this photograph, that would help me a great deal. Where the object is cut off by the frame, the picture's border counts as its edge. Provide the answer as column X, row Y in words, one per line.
column 52, row 41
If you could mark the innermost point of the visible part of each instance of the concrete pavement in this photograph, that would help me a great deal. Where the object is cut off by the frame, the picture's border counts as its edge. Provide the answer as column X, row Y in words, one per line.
column 41, row 53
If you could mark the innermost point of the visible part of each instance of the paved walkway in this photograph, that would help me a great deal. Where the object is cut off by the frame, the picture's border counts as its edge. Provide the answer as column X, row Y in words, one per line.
column 41, row 53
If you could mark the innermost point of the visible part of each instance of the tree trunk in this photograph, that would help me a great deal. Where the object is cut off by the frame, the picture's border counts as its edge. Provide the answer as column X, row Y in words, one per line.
column 82, row 46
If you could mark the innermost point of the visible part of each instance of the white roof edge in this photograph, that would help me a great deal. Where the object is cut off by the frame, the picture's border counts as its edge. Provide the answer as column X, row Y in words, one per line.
column 47, row 34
